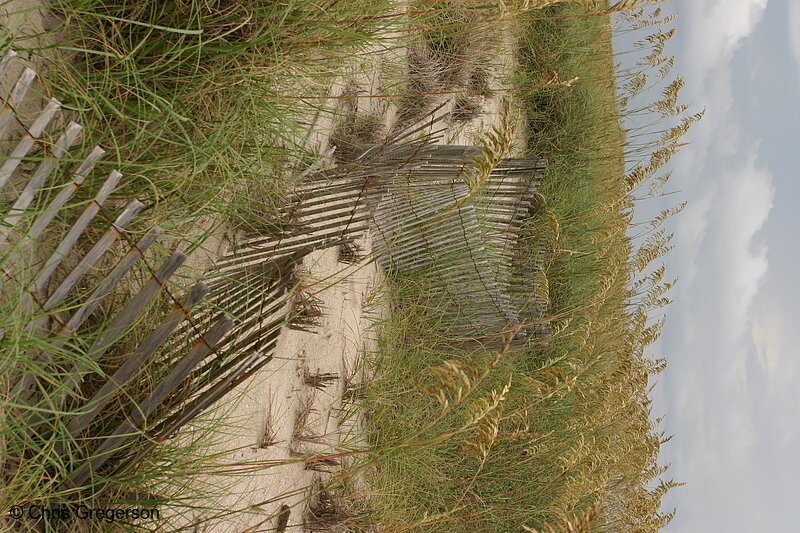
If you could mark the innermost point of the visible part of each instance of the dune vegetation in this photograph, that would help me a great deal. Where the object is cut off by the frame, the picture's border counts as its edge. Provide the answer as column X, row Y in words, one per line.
column 204, row 107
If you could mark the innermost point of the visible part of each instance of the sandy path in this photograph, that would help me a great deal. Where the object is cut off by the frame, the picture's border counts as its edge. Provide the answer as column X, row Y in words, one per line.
column 293, row 411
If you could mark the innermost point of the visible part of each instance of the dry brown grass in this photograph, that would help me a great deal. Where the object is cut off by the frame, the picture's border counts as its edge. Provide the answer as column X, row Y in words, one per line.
column 326, row 512
column 350, row 252
column 465, row 109
column 300, row 429
column 353, row 131
column 454, row 52
column 269, row 435
column 580, row 523
column 319, row 380
column 307, row 312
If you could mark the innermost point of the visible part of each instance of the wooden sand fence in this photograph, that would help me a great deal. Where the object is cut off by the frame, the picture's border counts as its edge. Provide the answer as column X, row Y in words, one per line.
column 413, row 199
column 408, row 194
column 49, row 282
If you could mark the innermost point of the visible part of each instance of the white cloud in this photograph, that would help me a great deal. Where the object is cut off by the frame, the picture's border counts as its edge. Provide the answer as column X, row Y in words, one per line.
column 794, row 30
column 714, row 30
column 721, row 261
column 718, row 28
column 711, row 394
column 744, row 203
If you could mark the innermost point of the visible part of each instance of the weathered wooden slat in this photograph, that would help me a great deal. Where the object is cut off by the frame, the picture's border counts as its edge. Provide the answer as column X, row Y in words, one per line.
column 65, row 246
column 209, row 397
column 252, row 308
column 5, row 61
column 256, row 259
column 95, row 299
column 342, row 226
column 264, row 340
column 275, row 267
column 439, row 255
column 329, row 236
column 477, row 295
column 255, row 333
column 88, row 261
column 28, row 139
column 17, row 94
column 397, row 214
column 525, row 164
column 452, row 260
column 257, row 337
column 134, row 419
column 255, row 256
column 465, row 248
column 37, row 179
column 100, row 247
column 320, row 191
column 417, row 221
column 430, row 236
column 53, row 207
column 212, row 370
column 304, row 205
column 299, row 222
column 340, row 214
column 399, row 201
column 116, row 329
column 136, row 305
column 330, row 206
column 499, row 205
column 135, row 360
column 237, row 296
column 222, row 387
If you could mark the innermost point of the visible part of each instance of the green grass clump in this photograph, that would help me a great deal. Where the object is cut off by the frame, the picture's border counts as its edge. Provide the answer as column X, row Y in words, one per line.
column 197, row 101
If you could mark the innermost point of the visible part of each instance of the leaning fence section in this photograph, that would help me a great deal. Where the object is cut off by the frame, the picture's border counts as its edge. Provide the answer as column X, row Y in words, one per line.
column 67, row 321
column 412, row 198
column 428, row 222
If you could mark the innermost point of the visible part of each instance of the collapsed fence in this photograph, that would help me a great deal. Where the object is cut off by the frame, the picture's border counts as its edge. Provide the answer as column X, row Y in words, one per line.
column 408, row 194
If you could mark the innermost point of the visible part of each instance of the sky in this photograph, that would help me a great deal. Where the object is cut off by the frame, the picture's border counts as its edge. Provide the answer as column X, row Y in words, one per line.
column 732, row 339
